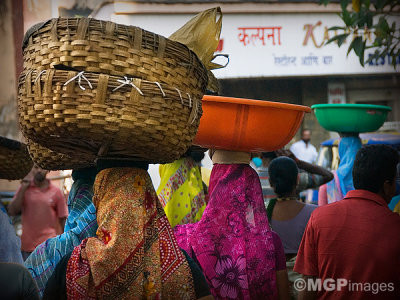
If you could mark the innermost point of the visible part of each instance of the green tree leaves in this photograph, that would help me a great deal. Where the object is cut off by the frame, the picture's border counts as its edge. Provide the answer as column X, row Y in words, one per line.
column 369, row 27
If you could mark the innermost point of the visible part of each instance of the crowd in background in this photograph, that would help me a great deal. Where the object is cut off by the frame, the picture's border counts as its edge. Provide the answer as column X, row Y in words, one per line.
column 242, row 232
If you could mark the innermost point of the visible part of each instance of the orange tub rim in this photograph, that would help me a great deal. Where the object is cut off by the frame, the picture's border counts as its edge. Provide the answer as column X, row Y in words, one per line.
column 252, row 102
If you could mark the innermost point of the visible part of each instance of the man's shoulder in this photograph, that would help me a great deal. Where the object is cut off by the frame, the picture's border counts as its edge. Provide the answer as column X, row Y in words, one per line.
column 312, row 146
column 53, row 187
column 54, row 190
column 296, row 144
column 338, row 209
column 320, row 212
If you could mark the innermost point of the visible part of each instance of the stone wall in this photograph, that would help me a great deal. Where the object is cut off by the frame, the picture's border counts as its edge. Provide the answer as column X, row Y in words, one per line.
column 8, row 93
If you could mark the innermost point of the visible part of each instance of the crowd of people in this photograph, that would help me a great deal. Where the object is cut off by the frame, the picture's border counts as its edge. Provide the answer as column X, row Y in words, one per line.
column 245, row 234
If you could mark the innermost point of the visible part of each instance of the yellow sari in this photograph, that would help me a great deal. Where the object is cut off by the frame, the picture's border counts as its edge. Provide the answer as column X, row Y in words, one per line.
column 397, row 208
column 181, row 191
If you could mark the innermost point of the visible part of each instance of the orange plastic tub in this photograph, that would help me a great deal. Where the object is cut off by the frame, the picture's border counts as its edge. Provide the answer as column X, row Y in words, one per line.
column 247, row 125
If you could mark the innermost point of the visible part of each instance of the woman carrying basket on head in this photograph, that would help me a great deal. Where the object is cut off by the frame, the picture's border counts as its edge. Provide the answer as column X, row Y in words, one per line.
column 134, row 254
column 233, row 244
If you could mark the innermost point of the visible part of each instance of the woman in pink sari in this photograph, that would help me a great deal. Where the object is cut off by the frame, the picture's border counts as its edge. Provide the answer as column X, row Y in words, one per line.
column 240, row 256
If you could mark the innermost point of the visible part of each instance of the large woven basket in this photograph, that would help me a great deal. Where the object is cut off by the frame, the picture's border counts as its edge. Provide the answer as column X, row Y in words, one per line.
column 96, row 46
column 15, row 162
column 107, row 116
column 50, row 160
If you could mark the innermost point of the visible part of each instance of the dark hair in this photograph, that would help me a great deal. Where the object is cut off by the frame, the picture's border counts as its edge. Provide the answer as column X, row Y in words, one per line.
column 373, row 165
column 283, row 175
column 106, row 163
column 196, row 153
column 197, row 156
column 87, row 174
column 270, row 155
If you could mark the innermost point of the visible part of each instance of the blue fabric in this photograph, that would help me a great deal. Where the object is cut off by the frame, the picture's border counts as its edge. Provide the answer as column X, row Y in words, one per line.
column 348, row 148
column 395, row 200
column 10, row 244
column 80, row 224
column 257, row 162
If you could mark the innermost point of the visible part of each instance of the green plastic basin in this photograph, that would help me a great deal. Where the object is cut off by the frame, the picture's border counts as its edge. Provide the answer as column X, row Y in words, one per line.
column 351, row 117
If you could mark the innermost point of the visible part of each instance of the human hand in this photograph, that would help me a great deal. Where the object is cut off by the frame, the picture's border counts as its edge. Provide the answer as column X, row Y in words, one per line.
column 348, row 134
column 25, row 183
column 287, row 153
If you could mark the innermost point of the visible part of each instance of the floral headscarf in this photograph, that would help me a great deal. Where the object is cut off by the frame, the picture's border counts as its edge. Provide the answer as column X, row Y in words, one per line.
column 181, row 191
column 134, row 254
column 232, row 242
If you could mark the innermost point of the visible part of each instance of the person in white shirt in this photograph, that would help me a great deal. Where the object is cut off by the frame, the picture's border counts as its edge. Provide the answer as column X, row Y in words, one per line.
column 303, row 149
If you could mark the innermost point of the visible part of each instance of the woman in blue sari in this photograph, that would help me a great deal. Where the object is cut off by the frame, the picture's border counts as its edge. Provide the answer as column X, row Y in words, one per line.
column 338, row 187
column 81, row 224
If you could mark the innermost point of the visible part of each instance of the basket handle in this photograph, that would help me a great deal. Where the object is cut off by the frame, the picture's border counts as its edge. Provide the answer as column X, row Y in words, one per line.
column 28, row 84
column 134, row 93
column 38, row 86
column 54, row 36
column 102, row 89
column 48, row 84
column 69, row 90
column 110, row 28
column 162, row 43
column 137, row 40
column 214, row 65
column 83, row 25
column 193, row 113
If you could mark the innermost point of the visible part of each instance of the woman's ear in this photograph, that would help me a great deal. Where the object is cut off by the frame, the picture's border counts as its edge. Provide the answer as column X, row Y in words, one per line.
column 211, row 152
column 389, row 189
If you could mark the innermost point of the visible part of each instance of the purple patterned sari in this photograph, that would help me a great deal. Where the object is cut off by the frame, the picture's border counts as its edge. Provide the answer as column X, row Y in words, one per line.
column 232, row 242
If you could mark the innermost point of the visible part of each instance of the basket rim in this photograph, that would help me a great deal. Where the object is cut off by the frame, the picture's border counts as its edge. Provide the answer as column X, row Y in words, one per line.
column 18, row 163
column 39, row 28
column 11, row 144
column 63, row 161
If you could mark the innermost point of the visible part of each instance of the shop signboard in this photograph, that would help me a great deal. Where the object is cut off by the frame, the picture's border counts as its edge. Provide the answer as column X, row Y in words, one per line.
column 336, row 93
column 273, row 45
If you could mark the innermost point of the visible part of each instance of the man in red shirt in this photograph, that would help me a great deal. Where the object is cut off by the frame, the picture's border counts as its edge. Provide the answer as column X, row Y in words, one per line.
column 351, row 248
column 43, row 209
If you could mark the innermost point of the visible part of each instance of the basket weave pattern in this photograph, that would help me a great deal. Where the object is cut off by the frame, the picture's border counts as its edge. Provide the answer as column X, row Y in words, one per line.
column 105, row 47
column 99, row 115
column 50, row 160
column 14, row 164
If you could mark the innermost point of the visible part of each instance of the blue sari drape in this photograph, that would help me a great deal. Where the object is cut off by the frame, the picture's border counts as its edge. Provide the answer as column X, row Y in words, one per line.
column 80, row 224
